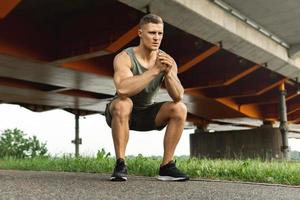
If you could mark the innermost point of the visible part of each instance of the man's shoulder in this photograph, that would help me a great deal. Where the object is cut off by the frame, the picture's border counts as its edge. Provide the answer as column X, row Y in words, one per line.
column 125, row 52
column 125, row 55
column 123, row 58
column 122, row 55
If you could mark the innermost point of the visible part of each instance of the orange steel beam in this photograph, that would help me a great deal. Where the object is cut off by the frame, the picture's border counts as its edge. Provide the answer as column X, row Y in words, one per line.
column 270, row 87
column 195, row 93
column 243, row 74
column 257, row 93
column 292, row 111
column 230, row 103
column 280, row 82
column 112, row 48
column 198, row 59
column 251, row 110
column 294, row 116
column 229, row 81
column 292, row 96
column 272, row 101
column 123, row 40
column 6, row 6
column 293, row 106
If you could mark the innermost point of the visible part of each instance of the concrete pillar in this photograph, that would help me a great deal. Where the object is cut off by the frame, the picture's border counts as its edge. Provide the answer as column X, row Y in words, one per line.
column 263, row 142
column 283, row 122
column 77, row 141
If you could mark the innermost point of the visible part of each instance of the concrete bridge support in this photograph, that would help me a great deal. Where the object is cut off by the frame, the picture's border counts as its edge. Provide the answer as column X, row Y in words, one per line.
column 264, row 142
column 77, row 141
column 283, row 122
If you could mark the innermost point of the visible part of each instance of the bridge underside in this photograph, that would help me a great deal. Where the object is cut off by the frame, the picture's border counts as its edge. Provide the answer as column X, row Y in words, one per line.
column 56, row 54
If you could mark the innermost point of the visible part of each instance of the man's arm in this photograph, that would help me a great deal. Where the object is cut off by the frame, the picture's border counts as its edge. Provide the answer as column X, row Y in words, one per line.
column 172, row 82
column 126, row 83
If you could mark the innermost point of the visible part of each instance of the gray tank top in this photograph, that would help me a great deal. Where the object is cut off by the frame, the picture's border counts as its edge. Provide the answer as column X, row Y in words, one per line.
column 146, row 96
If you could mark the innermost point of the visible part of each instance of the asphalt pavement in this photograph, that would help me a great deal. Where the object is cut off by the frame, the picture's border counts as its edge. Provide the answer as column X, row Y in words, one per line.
column 25, row 185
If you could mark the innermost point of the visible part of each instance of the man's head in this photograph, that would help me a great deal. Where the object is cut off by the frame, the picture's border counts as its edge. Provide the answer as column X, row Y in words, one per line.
column 151, row 31
column 150, row 18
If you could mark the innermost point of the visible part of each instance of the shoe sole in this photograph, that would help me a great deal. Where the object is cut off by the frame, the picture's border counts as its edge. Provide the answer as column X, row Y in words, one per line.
column 170, row 178
column 118, row 178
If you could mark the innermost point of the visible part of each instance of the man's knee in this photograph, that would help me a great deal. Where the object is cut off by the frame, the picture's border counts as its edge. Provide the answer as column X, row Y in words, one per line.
column 178, row 110
column 121, row 108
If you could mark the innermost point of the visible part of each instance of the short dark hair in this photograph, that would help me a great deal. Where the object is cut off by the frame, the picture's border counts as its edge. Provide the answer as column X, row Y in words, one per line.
column 150, row 18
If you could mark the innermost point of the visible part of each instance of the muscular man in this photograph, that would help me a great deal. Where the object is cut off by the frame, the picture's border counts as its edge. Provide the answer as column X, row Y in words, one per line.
column 138, row 74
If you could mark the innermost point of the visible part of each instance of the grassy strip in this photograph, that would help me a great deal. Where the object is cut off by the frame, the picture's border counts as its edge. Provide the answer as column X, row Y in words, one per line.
column 247, row 170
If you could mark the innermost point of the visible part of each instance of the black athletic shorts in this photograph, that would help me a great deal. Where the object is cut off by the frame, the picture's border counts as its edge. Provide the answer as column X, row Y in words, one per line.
column 140, row 119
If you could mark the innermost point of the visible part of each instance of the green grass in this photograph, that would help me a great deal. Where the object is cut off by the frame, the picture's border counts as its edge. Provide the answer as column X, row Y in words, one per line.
column 281, row 172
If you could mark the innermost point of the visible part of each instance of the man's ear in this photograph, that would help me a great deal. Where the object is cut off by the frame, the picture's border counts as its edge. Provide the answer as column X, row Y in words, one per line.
column 140, row 32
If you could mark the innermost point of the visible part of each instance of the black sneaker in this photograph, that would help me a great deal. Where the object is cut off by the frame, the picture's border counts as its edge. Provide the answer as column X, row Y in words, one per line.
column 169, row 172
column 120, row 171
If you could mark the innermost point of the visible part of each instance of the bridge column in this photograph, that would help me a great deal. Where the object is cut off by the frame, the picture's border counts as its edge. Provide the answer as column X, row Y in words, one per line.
column 283, row 122
column 77, row 140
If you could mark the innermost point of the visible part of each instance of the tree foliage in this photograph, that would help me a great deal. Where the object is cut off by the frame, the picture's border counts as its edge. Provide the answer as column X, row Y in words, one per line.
column 14, row 143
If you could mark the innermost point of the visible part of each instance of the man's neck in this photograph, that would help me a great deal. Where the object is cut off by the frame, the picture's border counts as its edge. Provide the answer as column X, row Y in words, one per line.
column 145, row 54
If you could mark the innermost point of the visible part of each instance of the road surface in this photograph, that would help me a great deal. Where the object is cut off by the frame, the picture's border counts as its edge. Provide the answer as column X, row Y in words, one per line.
column 64, row 185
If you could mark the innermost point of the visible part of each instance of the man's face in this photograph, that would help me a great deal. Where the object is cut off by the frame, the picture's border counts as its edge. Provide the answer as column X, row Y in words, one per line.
column 151, row 35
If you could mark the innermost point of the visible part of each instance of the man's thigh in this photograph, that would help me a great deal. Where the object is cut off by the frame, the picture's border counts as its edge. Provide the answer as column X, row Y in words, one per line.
column 109, row 109
column 165, row 112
